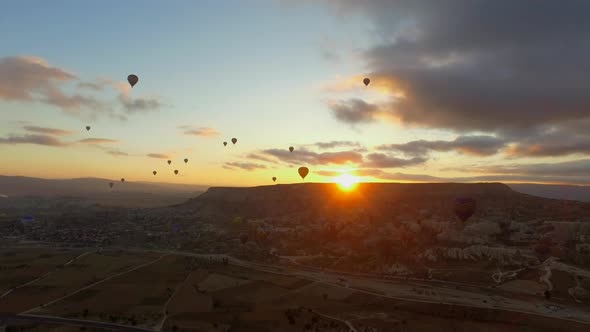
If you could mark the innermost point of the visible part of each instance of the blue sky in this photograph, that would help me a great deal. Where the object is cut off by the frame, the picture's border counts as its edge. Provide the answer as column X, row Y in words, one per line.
column 272, row 74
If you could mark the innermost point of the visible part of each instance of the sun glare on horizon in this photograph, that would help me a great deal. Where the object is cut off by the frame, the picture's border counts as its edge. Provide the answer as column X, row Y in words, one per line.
column 346, row 182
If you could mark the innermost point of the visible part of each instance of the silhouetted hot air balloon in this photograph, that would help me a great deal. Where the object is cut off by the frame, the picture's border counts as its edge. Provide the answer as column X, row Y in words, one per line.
column 169, row 162
column 224, row 143
column 244, row 238
column 366, row 81
column 154, row 172
column 132, row 79
column 87, row 128
column 291, row 149
column 185, row 160
column 274, row 179
column 175, row 171
column 303, row 171
column 111, row 184
column 234, row 140
column 122, row 179
column 464, row 208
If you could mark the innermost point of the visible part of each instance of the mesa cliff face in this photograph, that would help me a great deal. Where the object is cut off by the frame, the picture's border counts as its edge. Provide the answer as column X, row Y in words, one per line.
column 379, row 200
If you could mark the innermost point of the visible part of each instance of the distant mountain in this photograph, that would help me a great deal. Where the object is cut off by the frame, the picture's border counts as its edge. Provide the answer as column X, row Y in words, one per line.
column 132, row 194
column 575, row 193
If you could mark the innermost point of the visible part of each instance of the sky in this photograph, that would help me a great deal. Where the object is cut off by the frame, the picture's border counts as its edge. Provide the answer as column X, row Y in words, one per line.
column 466, row 90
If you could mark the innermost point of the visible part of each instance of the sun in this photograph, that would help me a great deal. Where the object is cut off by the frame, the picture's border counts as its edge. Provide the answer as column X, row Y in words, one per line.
column 346, row 182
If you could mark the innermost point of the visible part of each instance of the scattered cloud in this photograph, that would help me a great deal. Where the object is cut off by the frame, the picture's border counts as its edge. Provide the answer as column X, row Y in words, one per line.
column 200, row 131
column 470, row 145
column 380, row 160
column 47, row 131
column 139, row 105
column 244, row 166
column 336, row 144
column 315, row 158
column 33, row 139
column 117, row 153
column 158, row 155
column 260, row 157
column 355, row 111
column 565, row 169
column 94, row 141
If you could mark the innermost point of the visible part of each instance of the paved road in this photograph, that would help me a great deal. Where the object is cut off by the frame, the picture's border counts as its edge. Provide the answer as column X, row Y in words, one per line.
column 70, row 321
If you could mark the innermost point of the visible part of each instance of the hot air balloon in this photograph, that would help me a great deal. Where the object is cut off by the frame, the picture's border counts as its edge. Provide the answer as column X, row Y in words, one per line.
column 224, row 143
column 303, row 171
column 291, row 149
column 111, row 184
column 274, row 179
column 87, row 128
column 464, row 208
column 185, row 160
column 366, row 81
column 169, row 162
column 175, row 171
column 132, row 79
column 234, row 140
column 154, row 172
column 244, row 238
column 122, row 179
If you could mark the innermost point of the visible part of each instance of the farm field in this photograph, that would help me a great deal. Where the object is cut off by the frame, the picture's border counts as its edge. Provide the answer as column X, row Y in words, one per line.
column 65, row 278
column 178, row 293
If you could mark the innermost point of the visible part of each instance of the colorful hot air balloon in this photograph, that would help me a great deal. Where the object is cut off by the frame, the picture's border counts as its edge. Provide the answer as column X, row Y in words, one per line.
column 185, row 160
column 111, row 184
column 224, row 143
column 234, row 140
column 303, row 171
column 132, row 79
column 274, row 179
column 464, row 208
column 291, row 149
column 169, row 162
column 175, row 171
column 366, row 81
column 87, row 128
column 154, row 172
column 122, row 179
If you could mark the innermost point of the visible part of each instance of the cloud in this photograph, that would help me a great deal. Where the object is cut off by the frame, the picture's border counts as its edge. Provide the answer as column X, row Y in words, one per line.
column 260, row 157
column 47, row 131
column 93, row 141
column 33, row 139
column 565, row 169
column 245, row 166
column 32, row 79
column 470, row 145
column 117, row 153
column 483, row 66
column 336, row 144
column 158, row 155
column 200, row 131
column 29, row 78
column 314, row 158
column 355, row 111
column 139, row 105
column 380, row 160
column 23, row 76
